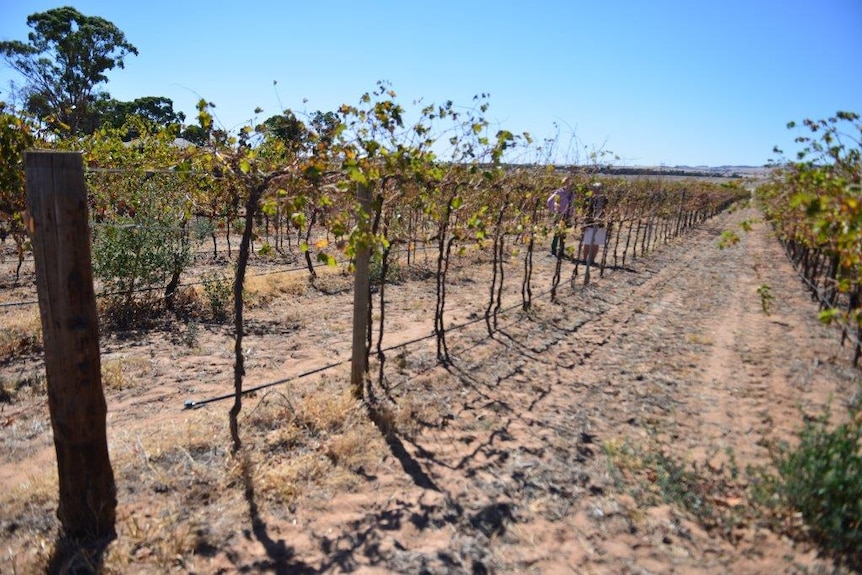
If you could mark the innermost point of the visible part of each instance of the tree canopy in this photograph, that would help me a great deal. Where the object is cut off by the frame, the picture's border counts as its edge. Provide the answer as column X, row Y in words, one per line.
column 154, row 111
column 65, row 58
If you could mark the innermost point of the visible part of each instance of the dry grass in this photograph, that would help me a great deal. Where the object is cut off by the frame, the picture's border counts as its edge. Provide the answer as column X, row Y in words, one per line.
column 112, row 374
column 38, row 490
column 124, row 372
column 181, row 492
column 261, row 290
column 29, row 508
column 20, row 331
column 22, row 388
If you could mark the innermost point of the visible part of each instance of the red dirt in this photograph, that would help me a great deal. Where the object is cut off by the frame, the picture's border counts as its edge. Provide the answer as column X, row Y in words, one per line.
column 508, row 469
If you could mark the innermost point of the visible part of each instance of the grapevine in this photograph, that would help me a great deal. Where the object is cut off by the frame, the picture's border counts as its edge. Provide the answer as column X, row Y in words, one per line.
column 815, row 205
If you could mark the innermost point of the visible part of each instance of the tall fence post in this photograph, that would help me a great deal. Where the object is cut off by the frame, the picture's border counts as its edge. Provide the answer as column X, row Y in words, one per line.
column 60, row 235
column 359, row 363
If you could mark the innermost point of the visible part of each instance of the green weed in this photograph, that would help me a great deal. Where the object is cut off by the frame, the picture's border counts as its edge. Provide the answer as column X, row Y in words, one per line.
column 821, row 478
column 766, row 298
column 219, row 294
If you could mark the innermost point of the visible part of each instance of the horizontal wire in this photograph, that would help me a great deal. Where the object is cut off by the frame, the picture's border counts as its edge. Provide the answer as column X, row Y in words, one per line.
column 191, row 404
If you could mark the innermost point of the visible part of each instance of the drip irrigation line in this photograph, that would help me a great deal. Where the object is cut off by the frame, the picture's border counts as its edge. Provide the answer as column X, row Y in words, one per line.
column 18, row 303
column 191, row 404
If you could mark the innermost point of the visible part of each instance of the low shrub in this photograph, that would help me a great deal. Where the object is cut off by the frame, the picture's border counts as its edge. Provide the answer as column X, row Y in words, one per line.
column 821, row 478
column 219, row 295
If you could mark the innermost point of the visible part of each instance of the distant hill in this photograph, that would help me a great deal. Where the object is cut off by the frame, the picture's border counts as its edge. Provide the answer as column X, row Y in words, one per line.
column 690, row 171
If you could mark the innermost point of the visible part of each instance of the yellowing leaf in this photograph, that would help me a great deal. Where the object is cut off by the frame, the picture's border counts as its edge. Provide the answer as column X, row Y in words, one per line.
column 321, row 244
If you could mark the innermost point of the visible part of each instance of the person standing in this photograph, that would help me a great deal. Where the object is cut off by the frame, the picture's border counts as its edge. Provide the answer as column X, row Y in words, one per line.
column 595, row 234
column 560, row 204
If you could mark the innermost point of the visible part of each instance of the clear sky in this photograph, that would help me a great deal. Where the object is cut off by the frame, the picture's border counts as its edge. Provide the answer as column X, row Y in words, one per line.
column 656, row 82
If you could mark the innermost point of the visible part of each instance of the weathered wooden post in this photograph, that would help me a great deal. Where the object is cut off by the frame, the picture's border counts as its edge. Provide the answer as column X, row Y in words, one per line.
column 359, row 362
column 60, row 234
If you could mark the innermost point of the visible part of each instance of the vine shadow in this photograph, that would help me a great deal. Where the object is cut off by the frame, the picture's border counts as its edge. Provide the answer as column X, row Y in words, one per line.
column 280, row 556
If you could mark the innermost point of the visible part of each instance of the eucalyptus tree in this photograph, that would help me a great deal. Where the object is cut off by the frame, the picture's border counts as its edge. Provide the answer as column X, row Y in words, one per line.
column 64, row 60
column 156, row 112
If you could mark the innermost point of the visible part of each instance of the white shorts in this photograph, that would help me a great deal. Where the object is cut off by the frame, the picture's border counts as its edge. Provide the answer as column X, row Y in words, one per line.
column 595, row 236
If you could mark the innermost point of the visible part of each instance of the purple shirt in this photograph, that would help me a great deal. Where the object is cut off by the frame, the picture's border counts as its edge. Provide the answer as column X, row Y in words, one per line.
column 560, row 201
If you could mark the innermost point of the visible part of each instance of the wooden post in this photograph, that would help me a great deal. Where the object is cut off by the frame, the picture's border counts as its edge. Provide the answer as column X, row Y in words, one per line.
column 359, row 363
column 60, row 234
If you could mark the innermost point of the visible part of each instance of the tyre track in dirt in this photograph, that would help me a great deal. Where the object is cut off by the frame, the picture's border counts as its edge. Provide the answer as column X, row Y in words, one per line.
column 509, row 473
column 511, row 461
column 676, row 353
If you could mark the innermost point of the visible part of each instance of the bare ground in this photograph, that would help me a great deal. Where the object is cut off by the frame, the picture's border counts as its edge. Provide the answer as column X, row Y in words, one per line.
column 606, row 433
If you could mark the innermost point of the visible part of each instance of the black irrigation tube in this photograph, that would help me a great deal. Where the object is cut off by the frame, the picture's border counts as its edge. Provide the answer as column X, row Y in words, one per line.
column 19, row 303
column 191, row 404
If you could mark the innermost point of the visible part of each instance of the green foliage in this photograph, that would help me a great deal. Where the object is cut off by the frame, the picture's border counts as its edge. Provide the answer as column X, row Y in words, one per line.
column 219, row 294
column 287, row 128
column 15, row 137
column 680, row 485
column 266, row 249
column 821, row 478
column 154, row 111
column 766, row 298
column 728, row 238
column 815, row 205
column 710, row 494
column 65, row 58
column 203, row 228
column 394, row 271
column 827, row 316
column 132, row 253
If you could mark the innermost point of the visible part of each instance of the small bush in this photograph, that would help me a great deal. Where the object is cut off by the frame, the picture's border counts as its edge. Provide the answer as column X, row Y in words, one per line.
column 821, row 478
column 219, row 294
column 394, row 273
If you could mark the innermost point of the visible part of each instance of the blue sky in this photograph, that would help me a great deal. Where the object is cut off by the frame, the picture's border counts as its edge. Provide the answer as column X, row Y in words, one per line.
column 661, row 82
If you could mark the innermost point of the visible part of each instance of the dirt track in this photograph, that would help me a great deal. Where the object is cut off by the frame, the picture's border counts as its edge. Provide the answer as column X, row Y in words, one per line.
column 542, row 449
column 675, row 356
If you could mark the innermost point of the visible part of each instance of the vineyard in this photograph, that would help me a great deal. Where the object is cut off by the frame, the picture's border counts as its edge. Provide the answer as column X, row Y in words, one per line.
column 290, row 319
column 816, row 205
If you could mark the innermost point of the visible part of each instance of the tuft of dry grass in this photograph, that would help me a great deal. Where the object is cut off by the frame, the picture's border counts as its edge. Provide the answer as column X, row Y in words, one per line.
column 20, row 331
column 285, row 479
column 699, row 339
column 263, row 289
column 112, row 374
column 323, row 412
column 23, row 387
column 414, row 412
column 39, row 489
column 122, row 372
